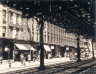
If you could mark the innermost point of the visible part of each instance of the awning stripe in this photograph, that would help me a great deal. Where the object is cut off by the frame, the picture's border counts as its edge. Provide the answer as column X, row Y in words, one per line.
column 21, row 47
column 47, row 48
column 29, row 47
column 25, row 47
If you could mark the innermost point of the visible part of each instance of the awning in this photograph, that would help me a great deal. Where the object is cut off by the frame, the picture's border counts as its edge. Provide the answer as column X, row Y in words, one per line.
column 21, row 46
column 47, row 48
column 28, row 46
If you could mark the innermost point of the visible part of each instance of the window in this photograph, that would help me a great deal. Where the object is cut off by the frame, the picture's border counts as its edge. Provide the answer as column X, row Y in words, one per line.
column 17, row 18
column 51, row 38
column 57, row 39
column 37, row 36
column 45, row 38
column 11, row 32
column 48, row 38
column 17, row 33
column 32, row 27
column 4, row 31
column 61, row 31
column 32, row 35
column 11, row 17
column 48, row 32
column 48, row 25
column 54, row 39
column 3, row 34
column 4, row 16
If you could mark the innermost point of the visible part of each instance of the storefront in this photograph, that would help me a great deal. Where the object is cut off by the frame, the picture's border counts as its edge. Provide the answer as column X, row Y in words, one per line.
column 67, row 51
column 52, row 50
column 57, row 51
column 47, row 52
column 1, row 49
column 6, row 49
column 12, row 48
column 25, row 49
column 62, row 51
column 73, row 53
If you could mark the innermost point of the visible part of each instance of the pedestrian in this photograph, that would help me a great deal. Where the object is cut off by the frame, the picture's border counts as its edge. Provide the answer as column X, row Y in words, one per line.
column 34, row 57
column 29, row 57
column 21, row 58
column 24, row 60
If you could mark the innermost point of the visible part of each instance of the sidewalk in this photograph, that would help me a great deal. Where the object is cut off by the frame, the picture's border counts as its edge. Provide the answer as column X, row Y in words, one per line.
column 18, row 66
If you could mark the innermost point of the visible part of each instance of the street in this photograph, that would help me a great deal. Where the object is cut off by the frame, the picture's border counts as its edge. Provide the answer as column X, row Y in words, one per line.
column 62, row 68
column 91, row 70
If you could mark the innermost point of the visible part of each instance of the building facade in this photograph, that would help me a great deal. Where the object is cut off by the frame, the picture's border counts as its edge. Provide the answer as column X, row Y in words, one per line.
column 17, row 32
column 61, row 42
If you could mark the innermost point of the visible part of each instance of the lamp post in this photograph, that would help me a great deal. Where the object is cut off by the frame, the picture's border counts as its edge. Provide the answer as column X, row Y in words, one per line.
column 78, row 48
column 94, row 24
column 41, row 22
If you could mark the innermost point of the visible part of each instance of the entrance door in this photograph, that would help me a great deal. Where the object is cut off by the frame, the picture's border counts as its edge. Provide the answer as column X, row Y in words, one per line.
column 5, row 53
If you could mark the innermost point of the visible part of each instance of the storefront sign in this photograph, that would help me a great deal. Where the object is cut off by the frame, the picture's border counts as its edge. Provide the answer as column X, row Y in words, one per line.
column 6, row 49
column 67, row 48
column 52, row 47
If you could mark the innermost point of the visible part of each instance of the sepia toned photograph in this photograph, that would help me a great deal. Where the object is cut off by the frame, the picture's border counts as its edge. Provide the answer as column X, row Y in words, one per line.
column 47, row 36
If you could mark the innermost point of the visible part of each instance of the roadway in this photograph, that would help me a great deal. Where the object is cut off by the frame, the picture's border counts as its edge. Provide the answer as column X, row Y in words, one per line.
column 61, row 68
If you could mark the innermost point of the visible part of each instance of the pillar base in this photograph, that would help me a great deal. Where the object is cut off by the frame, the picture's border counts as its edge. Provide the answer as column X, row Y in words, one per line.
column 79, row 60
column 41, row 68
column 93, row 57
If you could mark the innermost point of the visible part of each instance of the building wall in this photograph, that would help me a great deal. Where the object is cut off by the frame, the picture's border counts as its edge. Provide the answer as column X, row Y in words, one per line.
column 53, row 34
column 10, row 22
column 14, row 26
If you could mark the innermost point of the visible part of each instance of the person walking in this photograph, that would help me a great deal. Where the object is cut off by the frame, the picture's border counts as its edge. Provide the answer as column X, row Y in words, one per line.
column 21, row 58
column 29, row 57
column 24, row 60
